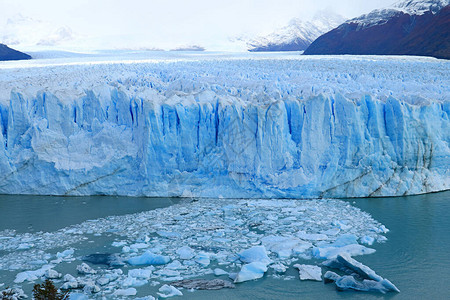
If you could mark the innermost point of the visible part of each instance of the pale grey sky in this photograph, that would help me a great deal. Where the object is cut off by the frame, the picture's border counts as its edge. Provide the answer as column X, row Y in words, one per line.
column 94, row 24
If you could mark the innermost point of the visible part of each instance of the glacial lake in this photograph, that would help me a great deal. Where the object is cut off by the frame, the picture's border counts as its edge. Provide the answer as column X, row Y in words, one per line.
column 416, row 256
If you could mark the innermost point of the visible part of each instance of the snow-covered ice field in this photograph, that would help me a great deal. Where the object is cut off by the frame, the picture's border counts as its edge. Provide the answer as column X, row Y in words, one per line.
column 224, row 125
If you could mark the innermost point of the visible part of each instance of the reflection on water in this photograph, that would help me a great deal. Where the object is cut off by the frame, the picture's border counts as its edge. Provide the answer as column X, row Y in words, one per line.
column 415, row 257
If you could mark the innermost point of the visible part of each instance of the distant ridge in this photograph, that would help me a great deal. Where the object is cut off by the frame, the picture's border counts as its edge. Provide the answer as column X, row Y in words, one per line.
column 413, row 27
column 297, row 35
column 7, row 53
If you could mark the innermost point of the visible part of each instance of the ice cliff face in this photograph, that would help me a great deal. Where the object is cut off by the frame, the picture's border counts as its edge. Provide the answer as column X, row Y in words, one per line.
column 279, row 127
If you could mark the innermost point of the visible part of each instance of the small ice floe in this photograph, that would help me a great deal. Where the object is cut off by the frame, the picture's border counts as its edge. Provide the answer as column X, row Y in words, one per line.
column 85, row 269
column 149, row 258
column 118, row 244
column 65, row 254
column 346, row 243
column 203, row 284
column 141, row 273
column 371, row 280
column 186, row 252
column 168, row 234
column 32, row 275
column 312, row 236
column 203, row 259
column 133, row 282
column 279, row 268
column 329, row 252
column 251, row 271
column 175, row 265
column 52, row 274
column 68, row 278
column 309, row 272
column 125, row 292
column 90, row 288
column 25, row 246
column 167, row 273
column 368, row 240
column 255, row 254
column 220, row 272
column 285, row 246
column 167, row 291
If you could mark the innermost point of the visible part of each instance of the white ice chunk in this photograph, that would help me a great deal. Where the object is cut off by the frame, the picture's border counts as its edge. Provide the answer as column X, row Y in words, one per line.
column 140, row 273
column 285, row 246
column 65, row 254
column 203, row 259
column 176, row 265
column 85, row 269
column 255, row 254
column 32, row 275
column 279, row 268
column 251, row 271
column 52, row 274
column 167, row 291
column 186, row 252
column 312, row 236
column 368, row 240
column 125, row 292
column 309, row 272
column 133, row 282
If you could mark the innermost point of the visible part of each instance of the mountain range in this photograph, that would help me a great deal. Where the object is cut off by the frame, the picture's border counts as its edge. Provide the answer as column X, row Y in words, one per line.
column 412, row 27
column 297, row 35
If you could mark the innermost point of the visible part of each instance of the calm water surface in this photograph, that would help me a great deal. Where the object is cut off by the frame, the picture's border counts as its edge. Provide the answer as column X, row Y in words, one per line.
column 416, row 257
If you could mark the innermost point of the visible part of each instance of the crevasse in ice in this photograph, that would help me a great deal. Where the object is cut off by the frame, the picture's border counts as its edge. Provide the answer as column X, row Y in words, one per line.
column 234, row 127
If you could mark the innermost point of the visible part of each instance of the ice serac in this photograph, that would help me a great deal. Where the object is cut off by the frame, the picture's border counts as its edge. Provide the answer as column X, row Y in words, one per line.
column 286, row 133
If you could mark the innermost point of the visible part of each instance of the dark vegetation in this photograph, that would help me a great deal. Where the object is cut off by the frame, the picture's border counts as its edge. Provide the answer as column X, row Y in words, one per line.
column 48, row 291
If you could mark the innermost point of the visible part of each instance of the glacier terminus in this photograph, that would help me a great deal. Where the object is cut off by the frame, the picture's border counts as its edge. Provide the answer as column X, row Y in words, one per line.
column 220, row 125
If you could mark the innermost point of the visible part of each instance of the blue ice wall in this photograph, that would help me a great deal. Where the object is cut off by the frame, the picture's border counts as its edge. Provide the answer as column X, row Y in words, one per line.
column 108, row 141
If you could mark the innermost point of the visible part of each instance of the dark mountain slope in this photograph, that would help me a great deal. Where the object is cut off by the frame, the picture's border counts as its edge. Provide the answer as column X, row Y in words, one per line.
column 390, row 32
column 7, row 53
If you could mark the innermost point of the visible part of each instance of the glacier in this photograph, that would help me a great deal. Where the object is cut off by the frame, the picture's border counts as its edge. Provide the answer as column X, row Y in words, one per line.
column 222, row 125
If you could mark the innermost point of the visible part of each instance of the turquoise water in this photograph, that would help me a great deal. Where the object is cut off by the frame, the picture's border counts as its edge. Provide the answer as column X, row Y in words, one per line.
column 416, row 257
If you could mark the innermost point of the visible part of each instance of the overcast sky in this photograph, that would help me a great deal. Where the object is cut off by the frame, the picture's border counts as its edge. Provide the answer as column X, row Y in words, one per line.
column 156, row 23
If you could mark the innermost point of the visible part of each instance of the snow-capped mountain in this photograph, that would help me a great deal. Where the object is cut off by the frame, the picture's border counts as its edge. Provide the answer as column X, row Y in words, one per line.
column 412, row 27
column 298, row 34
column 420, row 7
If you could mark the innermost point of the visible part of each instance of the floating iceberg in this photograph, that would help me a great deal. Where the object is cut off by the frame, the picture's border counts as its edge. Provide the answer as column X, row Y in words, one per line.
column 149, row 258
column 276, row 126
column 371, row 280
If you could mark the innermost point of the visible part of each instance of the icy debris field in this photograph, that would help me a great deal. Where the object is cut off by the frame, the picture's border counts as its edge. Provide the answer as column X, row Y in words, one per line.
column 172, row 250
column 222, row 125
